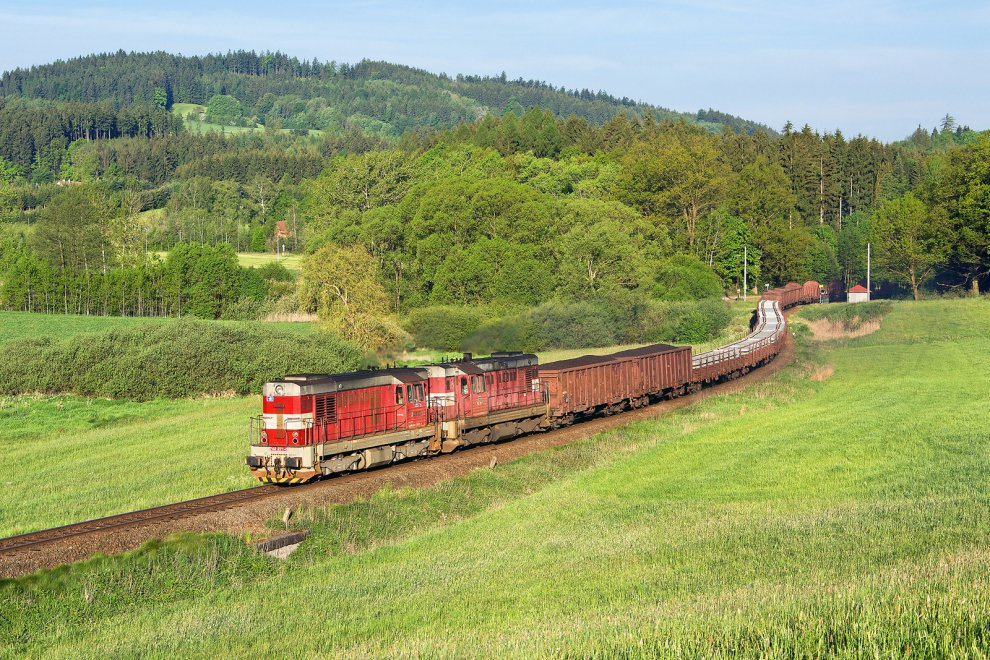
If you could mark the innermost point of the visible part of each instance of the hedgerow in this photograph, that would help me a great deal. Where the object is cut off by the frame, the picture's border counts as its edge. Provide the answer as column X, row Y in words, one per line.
column 445, row 326
column 176, row 359
column 556, row 325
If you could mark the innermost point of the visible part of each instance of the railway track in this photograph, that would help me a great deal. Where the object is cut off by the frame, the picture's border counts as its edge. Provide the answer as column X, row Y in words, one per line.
column 52, row 547
column 175, row 511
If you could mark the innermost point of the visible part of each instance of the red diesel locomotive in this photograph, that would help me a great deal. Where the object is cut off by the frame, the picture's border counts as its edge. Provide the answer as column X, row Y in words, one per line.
column 321, row 424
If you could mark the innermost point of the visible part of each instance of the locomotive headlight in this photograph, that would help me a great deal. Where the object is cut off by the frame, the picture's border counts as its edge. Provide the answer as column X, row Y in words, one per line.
column 295, row 438
column 264, row 438
column 279, row 390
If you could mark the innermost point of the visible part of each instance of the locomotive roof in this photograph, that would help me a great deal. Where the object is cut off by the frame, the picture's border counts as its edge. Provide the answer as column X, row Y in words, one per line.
column 353, row 380
column 589, row 360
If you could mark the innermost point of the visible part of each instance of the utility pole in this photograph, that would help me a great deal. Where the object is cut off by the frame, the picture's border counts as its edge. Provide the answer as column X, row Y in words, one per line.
column 745, row 274
column 868, row 264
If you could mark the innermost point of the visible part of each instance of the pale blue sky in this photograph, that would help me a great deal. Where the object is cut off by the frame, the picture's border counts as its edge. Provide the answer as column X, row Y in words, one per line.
column 877, row 68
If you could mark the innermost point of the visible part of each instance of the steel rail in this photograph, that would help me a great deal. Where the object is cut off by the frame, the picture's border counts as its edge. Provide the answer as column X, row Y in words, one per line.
column 164, row 512
column 188, row 508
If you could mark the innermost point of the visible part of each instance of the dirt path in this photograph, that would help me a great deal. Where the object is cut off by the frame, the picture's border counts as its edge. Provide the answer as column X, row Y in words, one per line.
column 251, row 517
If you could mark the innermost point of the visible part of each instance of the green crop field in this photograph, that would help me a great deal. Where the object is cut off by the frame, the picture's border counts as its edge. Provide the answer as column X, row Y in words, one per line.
column 839, row 507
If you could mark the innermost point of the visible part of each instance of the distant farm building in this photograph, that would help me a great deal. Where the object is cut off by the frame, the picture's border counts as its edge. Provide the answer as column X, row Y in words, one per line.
column 281, row 231
column 858, row 293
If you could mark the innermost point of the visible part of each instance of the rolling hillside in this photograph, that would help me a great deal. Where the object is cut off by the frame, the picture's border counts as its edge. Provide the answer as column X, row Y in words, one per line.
column 274, row 88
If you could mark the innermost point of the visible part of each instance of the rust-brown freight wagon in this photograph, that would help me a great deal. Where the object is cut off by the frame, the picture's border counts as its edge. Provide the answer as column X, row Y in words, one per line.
column 787, row 295
column 811, row 292
column 610, row 383
column 759, row 347
column 660, row 368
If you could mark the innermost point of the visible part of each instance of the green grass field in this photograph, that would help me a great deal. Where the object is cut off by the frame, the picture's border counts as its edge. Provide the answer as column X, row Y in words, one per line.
column 39, row 427
column 109, row 456
column 838, row 508
column 183, row 109
column 199, row 127
column 24, row 325
column 292, row 262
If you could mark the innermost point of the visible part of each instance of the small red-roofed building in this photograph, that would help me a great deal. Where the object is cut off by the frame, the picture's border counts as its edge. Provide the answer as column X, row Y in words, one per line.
column 858, row 293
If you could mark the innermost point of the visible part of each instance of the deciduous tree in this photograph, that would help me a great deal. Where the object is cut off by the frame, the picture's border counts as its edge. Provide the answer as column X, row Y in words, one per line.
column 909, row 241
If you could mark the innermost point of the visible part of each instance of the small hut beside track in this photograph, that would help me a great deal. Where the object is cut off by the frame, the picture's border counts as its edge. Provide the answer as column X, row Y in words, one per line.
column 858, row 293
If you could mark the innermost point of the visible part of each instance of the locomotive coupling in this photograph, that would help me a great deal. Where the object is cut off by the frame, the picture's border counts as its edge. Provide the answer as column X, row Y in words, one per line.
column 279, row 469
column 276, row 462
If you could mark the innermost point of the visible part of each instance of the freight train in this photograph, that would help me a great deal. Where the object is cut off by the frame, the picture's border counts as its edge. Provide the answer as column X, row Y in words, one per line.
column 314, row 425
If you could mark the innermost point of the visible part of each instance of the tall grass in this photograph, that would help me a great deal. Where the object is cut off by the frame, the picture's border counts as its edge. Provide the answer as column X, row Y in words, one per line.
column 849, row 315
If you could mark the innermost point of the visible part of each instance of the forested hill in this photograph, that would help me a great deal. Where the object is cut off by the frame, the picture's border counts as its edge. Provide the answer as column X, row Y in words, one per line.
column 271, row 88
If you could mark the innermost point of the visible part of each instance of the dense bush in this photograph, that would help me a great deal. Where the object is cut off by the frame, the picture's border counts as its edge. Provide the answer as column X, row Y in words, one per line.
column 174, row 359
column 589, row 324
column 850, row 315
column 685, row 322
column 551, row 325
column 444, row 326
column 683, row 277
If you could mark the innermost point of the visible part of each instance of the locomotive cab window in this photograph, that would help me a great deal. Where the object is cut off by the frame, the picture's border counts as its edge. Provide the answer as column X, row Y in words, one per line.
column 398, row 395
column 420, row 392
column 464, row 386
column 477, row 384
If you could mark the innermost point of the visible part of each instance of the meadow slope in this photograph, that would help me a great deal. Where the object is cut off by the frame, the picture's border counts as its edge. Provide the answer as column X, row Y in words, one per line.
column 839, row 507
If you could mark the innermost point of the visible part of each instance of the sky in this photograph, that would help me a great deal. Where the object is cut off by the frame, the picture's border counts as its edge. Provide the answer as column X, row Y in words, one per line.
column 879, row 69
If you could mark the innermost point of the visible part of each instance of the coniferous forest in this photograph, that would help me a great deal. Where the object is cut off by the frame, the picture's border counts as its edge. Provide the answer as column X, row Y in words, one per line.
column 504, row 208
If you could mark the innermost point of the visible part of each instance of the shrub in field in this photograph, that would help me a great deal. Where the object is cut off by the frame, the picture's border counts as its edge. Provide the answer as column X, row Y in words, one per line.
column 177, row 359
column 686, row 322
column 245, row 309
column 564, row 325
column 444, row 326
column 849, row 315
column 512, row 333
column 683, row 277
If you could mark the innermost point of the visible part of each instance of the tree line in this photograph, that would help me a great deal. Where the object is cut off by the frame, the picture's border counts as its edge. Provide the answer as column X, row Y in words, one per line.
column 504, row 213
column 277, row 88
